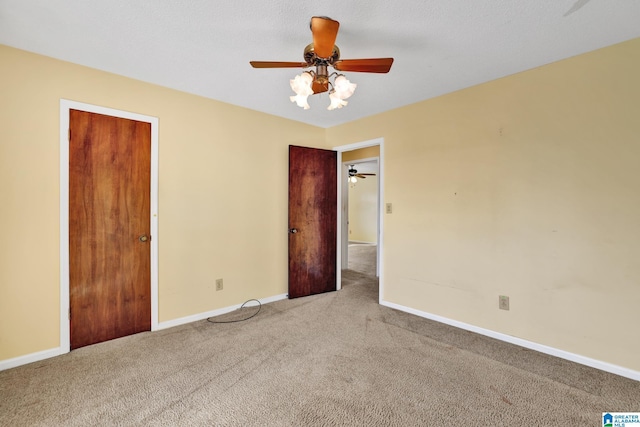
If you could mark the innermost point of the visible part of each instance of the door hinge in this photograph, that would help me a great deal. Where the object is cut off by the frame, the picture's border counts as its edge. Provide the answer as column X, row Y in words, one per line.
column 69, row 313
column 69, row 134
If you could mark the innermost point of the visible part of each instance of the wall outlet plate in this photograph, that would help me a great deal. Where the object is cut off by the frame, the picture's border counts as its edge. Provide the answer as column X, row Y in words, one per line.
column 219, row 284
column 503, row 302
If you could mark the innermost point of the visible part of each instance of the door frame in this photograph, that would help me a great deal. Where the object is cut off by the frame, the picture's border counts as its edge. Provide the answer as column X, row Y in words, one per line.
column 340, row 235
column 65, row 106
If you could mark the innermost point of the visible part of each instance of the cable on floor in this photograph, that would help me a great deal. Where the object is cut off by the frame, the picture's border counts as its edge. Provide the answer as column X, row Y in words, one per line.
column 240, row 308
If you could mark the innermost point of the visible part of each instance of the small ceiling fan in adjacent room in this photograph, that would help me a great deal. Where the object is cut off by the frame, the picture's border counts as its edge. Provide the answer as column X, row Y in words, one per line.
column 322, row 54
column 354, row 174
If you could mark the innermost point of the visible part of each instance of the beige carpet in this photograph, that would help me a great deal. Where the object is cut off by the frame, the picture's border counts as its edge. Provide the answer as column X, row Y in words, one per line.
column 337, row 359
column 362, row 258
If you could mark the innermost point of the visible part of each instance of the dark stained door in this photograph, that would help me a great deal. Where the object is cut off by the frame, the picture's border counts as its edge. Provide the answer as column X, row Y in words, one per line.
column 109, row 225
column 312, row 221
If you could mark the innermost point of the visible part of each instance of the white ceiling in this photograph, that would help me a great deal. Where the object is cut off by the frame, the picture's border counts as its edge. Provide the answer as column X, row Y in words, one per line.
column 204, row 46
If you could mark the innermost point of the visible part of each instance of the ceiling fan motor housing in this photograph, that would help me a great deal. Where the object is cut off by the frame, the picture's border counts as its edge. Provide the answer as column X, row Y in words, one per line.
column 312, row 59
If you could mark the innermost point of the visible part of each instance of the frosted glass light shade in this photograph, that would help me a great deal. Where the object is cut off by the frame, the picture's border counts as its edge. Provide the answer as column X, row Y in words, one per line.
column 343, row 87
column 301, row 101
column 301, row 84
column 336, row 101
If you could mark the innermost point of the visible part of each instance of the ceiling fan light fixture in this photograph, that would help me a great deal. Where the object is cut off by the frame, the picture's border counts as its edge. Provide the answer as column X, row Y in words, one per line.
column 323, row 53
column 302, row 85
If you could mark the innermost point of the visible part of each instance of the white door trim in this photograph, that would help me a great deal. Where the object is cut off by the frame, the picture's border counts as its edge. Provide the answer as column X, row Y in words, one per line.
column 65, row 106
column 340, row 150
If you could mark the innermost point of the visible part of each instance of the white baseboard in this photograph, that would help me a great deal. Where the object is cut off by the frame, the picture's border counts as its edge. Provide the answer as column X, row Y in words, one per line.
column 603, row 366
column 46, row 354
column 30, row 358
column 218, row 312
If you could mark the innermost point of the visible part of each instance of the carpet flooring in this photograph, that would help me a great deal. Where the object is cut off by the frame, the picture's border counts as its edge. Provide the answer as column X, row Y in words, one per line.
column 335, row 359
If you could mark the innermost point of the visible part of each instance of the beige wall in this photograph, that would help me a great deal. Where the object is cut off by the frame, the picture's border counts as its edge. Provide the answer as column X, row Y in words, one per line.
column 222, row 197
column 361, row 153
column 363, row 210
column 527, row 186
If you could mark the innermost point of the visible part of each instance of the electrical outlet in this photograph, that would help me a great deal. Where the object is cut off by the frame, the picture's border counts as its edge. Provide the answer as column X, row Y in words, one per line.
column 389, row 208
column 503, row 302
column 219, row 284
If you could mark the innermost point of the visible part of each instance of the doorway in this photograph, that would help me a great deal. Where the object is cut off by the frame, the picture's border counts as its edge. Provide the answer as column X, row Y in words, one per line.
column 66, row 107
column 343, row 235
column 361, row 210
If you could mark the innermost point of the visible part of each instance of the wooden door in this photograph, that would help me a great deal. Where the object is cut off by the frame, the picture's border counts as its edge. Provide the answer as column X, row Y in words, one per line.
column 312, row 221
column 109, row 226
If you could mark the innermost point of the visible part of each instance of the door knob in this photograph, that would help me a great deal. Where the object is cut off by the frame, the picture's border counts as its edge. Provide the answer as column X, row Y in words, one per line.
column 143, row 238
column 293, row 230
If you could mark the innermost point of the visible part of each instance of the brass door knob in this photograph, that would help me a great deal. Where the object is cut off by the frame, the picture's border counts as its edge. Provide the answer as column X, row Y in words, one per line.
column 144, row 238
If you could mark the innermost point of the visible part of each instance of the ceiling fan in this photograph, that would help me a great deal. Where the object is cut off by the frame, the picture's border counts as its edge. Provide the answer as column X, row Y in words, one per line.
column 323, row 53
column 354, row 174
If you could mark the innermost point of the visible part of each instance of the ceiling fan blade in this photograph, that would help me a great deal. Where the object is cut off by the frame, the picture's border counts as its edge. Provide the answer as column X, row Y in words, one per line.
column 368, row 174
column 373, row 65
column 275, row 64
column 325, row 31
column 319, row 87
column 359, row 175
